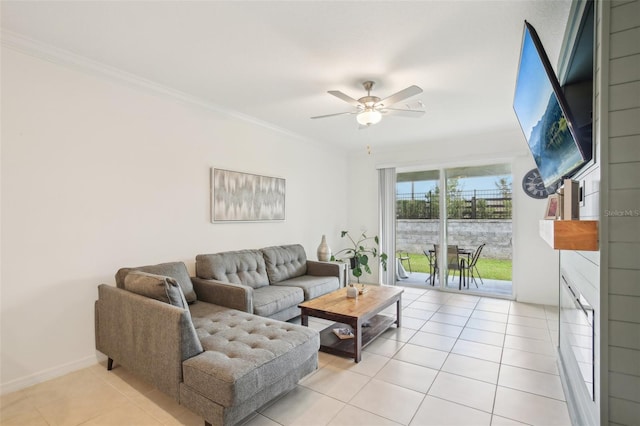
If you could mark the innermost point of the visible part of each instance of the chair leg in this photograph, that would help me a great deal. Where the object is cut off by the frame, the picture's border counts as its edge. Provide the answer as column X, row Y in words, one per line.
column 109, row 364
column 478, row 272
column 433, row 270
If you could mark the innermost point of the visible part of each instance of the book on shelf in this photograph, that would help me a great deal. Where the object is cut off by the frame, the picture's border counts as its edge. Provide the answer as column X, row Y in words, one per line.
column 343, row 333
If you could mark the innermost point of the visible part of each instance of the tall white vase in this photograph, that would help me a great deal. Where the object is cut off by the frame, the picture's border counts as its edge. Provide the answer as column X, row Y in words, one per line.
column 324, row 251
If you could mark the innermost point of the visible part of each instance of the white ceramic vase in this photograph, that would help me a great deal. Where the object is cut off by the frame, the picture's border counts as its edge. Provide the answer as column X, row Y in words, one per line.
column 352, row 292
column 324, row 251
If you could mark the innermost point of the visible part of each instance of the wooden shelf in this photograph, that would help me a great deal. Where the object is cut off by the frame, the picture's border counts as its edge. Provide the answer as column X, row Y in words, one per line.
column 331, row 344
column 570, row 234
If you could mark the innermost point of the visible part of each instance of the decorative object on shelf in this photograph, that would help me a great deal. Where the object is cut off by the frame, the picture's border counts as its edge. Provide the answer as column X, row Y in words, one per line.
column 358, row 254
column 343, row 333
column 533, row 185
column 324, row 251
column 352, row 292
column 553, row 207
column 245, row 197
column 571, row 205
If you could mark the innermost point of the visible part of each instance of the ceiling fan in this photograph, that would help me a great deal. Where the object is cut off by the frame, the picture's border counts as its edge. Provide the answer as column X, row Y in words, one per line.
column 369, row 109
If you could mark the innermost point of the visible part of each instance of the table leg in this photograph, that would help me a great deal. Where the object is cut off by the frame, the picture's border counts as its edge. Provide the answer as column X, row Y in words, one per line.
column 464, row 273
column 304, row 318
column 399, row 312
column 432, row 271
column 357, row 343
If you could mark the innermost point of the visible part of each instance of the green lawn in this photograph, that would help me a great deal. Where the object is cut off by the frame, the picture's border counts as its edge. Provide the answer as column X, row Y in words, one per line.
column 495, row 269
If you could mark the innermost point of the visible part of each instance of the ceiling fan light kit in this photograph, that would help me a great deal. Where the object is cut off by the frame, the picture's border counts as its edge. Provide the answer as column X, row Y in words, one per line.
column 369, row 109
column 369, row 117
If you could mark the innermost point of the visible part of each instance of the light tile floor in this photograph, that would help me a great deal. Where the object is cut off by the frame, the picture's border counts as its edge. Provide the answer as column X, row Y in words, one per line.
column 458, row 360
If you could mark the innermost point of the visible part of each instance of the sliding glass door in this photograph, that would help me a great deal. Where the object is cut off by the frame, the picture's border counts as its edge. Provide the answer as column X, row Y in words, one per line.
column 417, row 226
column 458, row 238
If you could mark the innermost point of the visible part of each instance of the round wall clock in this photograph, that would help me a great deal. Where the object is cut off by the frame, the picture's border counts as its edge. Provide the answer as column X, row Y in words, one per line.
column 533, row 185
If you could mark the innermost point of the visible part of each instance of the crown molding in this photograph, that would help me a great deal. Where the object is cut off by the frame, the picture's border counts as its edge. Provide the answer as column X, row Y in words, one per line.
column 50, row 53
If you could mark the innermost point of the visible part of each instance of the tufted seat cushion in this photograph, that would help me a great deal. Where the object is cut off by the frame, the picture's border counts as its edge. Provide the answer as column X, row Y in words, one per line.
column 243, row 353
column 313, row 286
column 285, row 262
column 270, row 300
column 238, row 267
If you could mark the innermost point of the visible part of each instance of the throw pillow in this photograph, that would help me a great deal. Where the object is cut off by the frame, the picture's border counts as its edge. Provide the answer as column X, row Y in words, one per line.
column 175, row 270
column 164, row 289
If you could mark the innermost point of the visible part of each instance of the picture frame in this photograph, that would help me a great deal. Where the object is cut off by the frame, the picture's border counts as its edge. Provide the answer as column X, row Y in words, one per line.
column 246, row 197
column 553, row 207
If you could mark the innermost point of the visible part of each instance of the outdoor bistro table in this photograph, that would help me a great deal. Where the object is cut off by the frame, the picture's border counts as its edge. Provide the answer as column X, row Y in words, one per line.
column 433, row 266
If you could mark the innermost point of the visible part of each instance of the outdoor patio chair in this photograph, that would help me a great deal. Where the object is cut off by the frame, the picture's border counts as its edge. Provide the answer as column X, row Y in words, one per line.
column 432, row 257
column 454, row 263
column 472, row 265
column 404, row 256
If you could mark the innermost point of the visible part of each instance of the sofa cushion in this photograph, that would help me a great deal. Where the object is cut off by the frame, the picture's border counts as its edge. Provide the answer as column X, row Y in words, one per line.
column 238, row 267
column 285, row 262
column 313, row 286
column 243, row 353
column 164, row 289
column 176, row 270
column 272, row 299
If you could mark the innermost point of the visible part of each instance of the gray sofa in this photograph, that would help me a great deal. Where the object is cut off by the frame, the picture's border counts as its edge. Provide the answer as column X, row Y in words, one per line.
column 190, row 339
column 271, row 281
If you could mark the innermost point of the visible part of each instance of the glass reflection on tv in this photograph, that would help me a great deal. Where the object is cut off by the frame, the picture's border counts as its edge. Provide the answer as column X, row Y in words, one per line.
column 541, row 117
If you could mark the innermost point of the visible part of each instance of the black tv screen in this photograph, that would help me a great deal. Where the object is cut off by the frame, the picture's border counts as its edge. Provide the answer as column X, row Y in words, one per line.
column 544, row 115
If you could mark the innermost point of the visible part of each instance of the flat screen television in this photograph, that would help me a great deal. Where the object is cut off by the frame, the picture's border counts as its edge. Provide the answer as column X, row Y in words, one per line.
column 544, row 115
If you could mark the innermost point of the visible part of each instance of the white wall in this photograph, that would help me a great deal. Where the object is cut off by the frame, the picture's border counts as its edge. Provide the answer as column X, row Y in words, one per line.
column 535, row 264
column 97, row 175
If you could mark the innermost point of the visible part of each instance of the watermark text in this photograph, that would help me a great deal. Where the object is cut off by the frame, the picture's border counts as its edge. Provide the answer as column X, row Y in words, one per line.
column 622, row 213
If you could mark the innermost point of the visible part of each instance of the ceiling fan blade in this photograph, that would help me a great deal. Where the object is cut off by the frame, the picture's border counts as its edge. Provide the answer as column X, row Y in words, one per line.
column 414, row 113
column 332, row 115
column 397, row 97
column 348, row 99
column 416, row 105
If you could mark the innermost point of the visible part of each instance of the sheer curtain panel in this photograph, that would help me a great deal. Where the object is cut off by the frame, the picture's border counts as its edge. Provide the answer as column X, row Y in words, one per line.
column 387, row 217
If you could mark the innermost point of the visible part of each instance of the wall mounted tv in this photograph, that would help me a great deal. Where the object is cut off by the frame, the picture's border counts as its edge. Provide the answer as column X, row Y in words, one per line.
column 545, row 117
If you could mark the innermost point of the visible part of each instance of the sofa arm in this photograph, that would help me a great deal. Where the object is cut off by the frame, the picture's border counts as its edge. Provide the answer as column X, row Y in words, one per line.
column 229, row 295
column 147, row 336
column 333, row 269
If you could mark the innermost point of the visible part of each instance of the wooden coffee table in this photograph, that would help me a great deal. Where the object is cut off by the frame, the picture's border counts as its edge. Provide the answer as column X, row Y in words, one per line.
column 361, row 315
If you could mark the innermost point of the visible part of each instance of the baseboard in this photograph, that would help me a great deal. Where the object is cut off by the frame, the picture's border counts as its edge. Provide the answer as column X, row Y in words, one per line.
column 51, row 373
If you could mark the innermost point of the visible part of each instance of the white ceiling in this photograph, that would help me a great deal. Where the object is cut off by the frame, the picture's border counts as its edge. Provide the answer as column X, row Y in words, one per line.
column 275, row 60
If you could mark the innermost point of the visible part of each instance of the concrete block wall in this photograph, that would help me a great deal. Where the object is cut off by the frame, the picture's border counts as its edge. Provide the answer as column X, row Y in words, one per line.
column 416, row 235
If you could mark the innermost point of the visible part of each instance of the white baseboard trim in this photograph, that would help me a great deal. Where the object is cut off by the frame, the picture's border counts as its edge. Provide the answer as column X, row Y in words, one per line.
column 51, row 373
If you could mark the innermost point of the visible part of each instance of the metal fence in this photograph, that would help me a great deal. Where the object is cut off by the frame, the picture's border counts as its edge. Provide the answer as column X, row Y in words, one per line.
column 473, row 204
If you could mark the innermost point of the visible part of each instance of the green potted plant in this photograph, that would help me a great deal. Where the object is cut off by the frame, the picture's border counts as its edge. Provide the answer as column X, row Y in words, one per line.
column 358, row 254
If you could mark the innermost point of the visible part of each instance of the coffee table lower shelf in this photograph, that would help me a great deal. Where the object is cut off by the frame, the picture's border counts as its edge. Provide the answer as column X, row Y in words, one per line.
column 332, row 344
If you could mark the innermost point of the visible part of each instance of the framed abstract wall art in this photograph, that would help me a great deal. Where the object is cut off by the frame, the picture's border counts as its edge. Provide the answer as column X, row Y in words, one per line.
column 246, row 197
